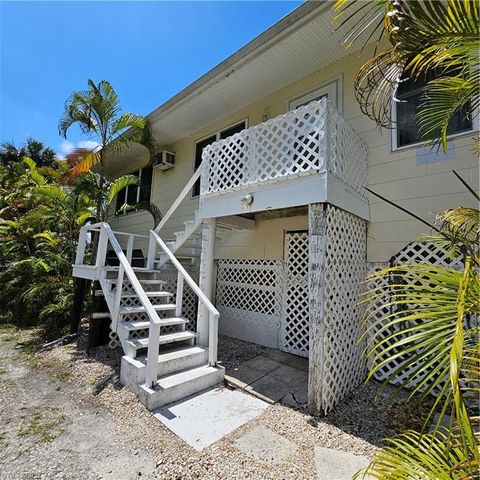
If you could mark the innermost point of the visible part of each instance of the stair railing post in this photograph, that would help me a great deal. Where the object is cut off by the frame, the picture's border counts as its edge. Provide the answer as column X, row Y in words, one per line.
column 213, row 339
column 82, row 243
column 179, row 295
column 152, row 355
column 102, row 249
column 152, row 250
column 118, row 297
column 131, row 239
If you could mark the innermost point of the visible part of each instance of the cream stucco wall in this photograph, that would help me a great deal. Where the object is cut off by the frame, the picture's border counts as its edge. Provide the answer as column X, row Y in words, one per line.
column 400, row 176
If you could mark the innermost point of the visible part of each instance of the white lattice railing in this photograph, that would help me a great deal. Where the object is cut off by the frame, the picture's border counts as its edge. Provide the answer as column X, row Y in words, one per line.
column 312, row 139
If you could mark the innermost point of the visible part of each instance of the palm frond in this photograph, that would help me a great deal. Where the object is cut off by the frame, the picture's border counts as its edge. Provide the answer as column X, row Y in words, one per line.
column 118, row 185
column 421, row 324
column 443, row 98
column 86, row 160
column 416, row 456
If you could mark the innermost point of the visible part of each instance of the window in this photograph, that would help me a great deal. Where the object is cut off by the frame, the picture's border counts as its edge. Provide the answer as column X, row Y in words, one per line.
column 409, row 94
column 136, row 193
column 200, row 145
column 332, row 90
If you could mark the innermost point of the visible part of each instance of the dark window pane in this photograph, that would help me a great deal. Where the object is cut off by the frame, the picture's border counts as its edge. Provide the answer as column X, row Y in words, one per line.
column 120, row 200
column 232, row 130
column 410, row 92
column 199, row 146
column 146, row 184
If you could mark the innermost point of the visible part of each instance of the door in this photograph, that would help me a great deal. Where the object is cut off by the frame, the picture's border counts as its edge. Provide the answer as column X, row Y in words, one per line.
column 294, row 329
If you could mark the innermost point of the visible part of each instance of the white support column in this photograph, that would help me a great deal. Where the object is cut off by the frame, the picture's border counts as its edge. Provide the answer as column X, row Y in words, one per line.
column 206, row 276
column 317, row 224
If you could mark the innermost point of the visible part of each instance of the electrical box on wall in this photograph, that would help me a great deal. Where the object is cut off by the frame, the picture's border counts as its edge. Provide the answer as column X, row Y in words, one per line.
column 164, row 160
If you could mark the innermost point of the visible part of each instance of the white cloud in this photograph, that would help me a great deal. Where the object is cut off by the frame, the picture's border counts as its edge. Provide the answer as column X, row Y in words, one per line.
column 66, row 147
column 88, row 144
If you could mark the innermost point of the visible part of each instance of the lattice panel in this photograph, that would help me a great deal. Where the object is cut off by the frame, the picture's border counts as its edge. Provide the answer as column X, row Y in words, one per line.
column 345, row 269
column 250, row 291
column 295, row 321
column 347, row 153
column 290, row 144
column 411, row 253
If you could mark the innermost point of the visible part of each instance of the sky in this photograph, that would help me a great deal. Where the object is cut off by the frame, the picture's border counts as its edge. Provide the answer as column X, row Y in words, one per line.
column 148, row 51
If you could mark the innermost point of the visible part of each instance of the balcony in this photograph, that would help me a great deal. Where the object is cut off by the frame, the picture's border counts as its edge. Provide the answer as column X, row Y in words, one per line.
column 307, row 155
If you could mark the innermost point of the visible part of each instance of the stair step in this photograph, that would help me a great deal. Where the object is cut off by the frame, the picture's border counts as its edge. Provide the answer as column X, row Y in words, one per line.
column 174, row 387
column 144, row 324
column 146, row 281
column 155, row 294
column 135, row 269
column 177, row 358
column 139, row 343
column 185, row 376
column 141, row 309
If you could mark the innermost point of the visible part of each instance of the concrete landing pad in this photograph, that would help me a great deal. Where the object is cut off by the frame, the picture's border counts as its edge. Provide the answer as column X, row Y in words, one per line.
column 203, row 419
column 338, row 465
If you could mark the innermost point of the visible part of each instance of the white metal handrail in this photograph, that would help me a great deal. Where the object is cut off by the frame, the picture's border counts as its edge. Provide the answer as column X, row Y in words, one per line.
column 152, row 246
column 153, row 340
column 179, row 199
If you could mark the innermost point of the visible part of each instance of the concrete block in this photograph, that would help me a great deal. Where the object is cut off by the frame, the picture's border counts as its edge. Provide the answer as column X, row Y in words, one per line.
column 266, row 446
column 338, row 465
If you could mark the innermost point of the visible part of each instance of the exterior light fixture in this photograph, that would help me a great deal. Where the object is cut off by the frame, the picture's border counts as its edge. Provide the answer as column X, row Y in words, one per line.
column 247, row 200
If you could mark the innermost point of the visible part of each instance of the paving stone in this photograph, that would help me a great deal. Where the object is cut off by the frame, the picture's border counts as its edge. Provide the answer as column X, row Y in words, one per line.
column 244, row 375
column 287, row 359
column 290, row 376
column 338, row 465
column 269, row 388
column 266, row 446
column 203, row 419
column 297, row 397
column 263, row 364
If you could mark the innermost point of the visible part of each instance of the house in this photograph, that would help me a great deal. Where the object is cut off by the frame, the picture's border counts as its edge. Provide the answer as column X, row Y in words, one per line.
column 266, row 227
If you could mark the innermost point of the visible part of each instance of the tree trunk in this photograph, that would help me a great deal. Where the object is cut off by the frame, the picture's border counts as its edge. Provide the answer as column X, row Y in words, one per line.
column 81, row 286
column 99, row 328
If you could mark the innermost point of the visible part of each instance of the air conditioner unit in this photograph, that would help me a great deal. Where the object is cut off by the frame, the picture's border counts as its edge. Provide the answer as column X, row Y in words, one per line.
column 164, row 160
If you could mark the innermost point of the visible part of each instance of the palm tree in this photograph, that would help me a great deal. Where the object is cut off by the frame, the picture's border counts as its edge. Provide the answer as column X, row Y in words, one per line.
column 427, row 329
column 426, row 37
column 97, row 112
column 42, row 156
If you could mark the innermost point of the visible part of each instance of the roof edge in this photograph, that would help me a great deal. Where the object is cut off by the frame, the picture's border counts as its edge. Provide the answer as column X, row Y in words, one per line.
column 290, row 22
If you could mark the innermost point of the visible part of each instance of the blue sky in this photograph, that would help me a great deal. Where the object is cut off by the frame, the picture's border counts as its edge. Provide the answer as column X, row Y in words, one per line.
column 147, row 50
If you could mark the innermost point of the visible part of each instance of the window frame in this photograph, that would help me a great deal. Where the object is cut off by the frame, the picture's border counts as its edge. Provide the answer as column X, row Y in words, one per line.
column 394, row 130
column 333, row 84
column 138, row 187
column 217, row 134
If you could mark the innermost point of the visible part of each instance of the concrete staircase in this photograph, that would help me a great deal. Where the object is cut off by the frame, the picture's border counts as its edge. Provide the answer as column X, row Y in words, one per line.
column 183, row 367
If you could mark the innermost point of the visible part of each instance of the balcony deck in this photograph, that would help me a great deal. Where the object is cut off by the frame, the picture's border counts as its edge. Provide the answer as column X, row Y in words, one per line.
column 308, row 155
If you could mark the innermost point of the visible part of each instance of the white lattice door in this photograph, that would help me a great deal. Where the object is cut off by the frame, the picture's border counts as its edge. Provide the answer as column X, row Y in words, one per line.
column 295, row 322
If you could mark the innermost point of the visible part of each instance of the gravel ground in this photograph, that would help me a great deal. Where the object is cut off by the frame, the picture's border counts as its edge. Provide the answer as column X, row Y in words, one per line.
column 64, row 415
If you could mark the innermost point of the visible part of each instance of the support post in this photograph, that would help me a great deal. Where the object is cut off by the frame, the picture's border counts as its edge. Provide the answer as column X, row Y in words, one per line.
column 317, row 224
column 129, row 254
column 152, row 355
column 206, row 277
column 179, row 295
column 152, row 251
